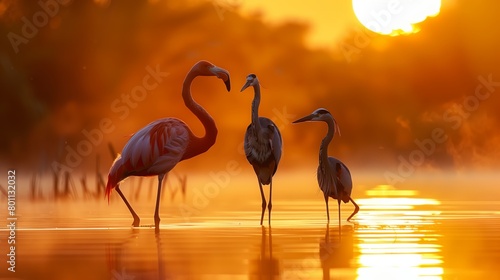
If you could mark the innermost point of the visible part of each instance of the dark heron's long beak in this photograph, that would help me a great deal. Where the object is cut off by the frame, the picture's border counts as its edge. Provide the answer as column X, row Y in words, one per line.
column 247, row 84
column 304, row 119
column 228, row 83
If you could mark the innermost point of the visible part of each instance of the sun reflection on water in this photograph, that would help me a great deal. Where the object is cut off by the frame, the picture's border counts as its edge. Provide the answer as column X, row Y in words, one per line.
column 397, row 238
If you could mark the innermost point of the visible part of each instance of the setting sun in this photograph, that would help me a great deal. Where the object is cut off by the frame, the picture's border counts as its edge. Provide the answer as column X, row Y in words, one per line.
column 394, row 17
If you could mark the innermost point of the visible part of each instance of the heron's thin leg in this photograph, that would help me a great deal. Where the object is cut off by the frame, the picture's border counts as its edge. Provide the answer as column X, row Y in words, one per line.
column 158, row 196
column 263, row 203
column 270, row 205
column 136, row 218
column 356, row 209
column 327, row 210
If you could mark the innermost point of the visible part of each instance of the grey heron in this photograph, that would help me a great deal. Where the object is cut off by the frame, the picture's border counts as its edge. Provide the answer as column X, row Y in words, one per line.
column 334, row 178
column 263, row 146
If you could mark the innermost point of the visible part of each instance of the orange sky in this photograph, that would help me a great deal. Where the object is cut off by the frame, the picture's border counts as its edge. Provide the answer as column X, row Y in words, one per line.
column 329, row 19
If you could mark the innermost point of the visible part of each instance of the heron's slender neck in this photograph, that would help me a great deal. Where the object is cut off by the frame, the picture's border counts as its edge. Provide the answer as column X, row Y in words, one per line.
column 323, row 149
column 198, row 145
column 255, row 107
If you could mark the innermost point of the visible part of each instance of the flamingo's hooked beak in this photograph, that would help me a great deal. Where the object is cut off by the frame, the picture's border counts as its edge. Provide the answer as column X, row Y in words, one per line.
column 223, row 75
column 304, row 119
column 228, row 84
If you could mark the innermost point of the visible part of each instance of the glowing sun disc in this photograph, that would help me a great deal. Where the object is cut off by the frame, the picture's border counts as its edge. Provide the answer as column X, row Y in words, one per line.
column 391, row 17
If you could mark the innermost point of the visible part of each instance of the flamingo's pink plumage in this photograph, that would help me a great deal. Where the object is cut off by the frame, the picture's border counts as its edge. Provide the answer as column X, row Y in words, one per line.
column 158, row 147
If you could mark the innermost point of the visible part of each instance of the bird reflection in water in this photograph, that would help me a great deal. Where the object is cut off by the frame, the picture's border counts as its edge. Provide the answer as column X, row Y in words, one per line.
column 122, row 266
column 161, row 268
column 336, row 254
column 266, row 266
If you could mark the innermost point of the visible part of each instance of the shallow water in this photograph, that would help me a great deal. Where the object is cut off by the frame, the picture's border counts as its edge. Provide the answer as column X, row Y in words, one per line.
column 394, row 236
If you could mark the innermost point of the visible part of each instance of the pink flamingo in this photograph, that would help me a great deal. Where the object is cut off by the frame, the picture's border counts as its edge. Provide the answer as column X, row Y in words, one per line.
column 159, row 146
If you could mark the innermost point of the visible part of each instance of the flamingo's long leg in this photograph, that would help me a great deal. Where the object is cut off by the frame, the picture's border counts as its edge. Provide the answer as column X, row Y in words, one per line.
column 136, row 217
column 158, row 196
column 340, row 232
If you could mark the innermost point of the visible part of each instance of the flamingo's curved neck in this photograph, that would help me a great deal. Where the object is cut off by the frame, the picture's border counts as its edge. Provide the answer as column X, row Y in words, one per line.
column 198, row 145
column 255, row 107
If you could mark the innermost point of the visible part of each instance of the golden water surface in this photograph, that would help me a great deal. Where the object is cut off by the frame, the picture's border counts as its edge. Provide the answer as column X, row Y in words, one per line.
column 398, row 234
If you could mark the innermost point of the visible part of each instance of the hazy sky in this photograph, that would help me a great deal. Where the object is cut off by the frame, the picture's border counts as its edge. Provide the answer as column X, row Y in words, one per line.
column 329, row 19
column 75, row 69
